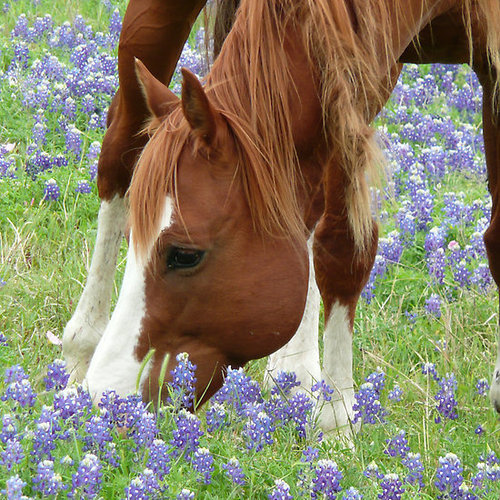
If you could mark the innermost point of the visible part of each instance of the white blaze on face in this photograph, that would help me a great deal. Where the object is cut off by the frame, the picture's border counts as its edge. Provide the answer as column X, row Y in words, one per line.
column 114, row 364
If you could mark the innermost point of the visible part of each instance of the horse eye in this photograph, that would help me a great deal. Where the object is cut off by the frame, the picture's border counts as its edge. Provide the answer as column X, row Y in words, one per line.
column 183, row 258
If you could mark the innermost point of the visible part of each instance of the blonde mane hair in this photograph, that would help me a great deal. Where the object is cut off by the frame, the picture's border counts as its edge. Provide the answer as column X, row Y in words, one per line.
column 249, row 83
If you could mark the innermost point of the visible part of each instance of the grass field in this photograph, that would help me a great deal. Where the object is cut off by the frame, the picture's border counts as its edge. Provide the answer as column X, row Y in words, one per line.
column 430, row 306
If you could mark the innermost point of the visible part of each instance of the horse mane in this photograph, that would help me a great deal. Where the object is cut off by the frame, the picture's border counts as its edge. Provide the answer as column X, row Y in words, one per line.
column 247, row 85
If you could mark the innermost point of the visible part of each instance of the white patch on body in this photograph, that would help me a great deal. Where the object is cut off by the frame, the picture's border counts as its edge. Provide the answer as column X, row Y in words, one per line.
column 85, row 328
column 301, row 354
column 114, row 365
column 495, row 382
column 337, row 372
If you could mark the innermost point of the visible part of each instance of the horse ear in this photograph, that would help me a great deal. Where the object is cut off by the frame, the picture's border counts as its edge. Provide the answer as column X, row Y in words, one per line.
column 159, row 98
column 197, row 109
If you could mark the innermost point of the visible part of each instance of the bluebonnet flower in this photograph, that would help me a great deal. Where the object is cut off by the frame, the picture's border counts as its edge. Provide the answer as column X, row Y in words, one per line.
column 238, row 391
column 449, row 476
column 309, row 455
column 372, row 471
column 46, row 433
column 413, row 463
column 14, row 373
column 143, row 487
column 326, row 480
column 434, row 239
column 3, row 339
column 392, row 487
column 482, row 386
column 21, row 392
column 74, row 141
column 216, row 417
column 323, row 389
column 299, row 411
column 93, row 151
column 57, row 376
column 159, row 458
column 98, row 433
column 352, row 494
column 378, row 270
column 433, row 305
column 183, row 381
column 86, row 481
column 203, row 463
column 9, row 428
column 186, row 435
column 396, row 393
column 446, row 402
column 73, row 403
column 185, row 494
column 93, row 171
column 115, row 23
column 367, row 407
column 430, row 369
column 83, row 187
column 14, row 488
column 479, row 430
column 51, row 190
column 281, row 491
column 377, row 378
column 285, row 382
column 46, row 481
column 257, row 431
column 233, row 471
column 12, row 455
column 436, row 264
column 397, row 445
column 391, row 247
column 144, row 430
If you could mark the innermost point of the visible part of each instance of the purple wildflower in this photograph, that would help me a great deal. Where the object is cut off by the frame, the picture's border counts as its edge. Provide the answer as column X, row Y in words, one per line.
column 449, row 475
column 326, row 481
column 281, row 491
column 186, row 435
column 51, row 190
column 396, row 393
column 143, row 487
column 46, row 481
column 73, row 403
column 57, row 376
column 203, row 463
column 9, row 428
column 352, row 494
column 430, row 369
column 285, row 382
column 183, row 381
column 257, row 431
column 482, row 386
column 21, row 392
column 216, row 417
column 234, row 472
column 185, row 494
column 433, row 305
column 372, row 471
column 368, row 408
column 86, row 481
column 159, row 459
column 14, row 488
column 83, row 187
column 309, row 455
column 323, row 389
column 397, row 445
column 392, row 487
column 415, row 468
column 12, row 455
column 377, row 378
column 446, row 402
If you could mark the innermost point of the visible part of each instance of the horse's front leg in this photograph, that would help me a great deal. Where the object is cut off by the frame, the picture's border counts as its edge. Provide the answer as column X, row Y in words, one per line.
column 155, row 32
column 341, row 273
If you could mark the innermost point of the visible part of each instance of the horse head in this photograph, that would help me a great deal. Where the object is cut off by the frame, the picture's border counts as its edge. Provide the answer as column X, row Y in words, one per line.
column 200, row 276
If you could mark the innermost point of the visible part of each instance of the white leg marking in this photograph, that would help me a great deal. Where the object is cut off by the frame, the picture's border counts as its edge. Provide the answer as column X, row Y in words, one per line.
column 84, row 330
column 337, row 372
column 301, row 354
column 495, row 382
column 114, row 364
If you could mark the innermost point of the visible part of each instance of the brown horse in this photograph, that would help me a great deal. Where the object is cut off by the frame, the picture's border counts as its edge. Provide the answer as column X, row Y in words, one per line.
column 238, row 174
